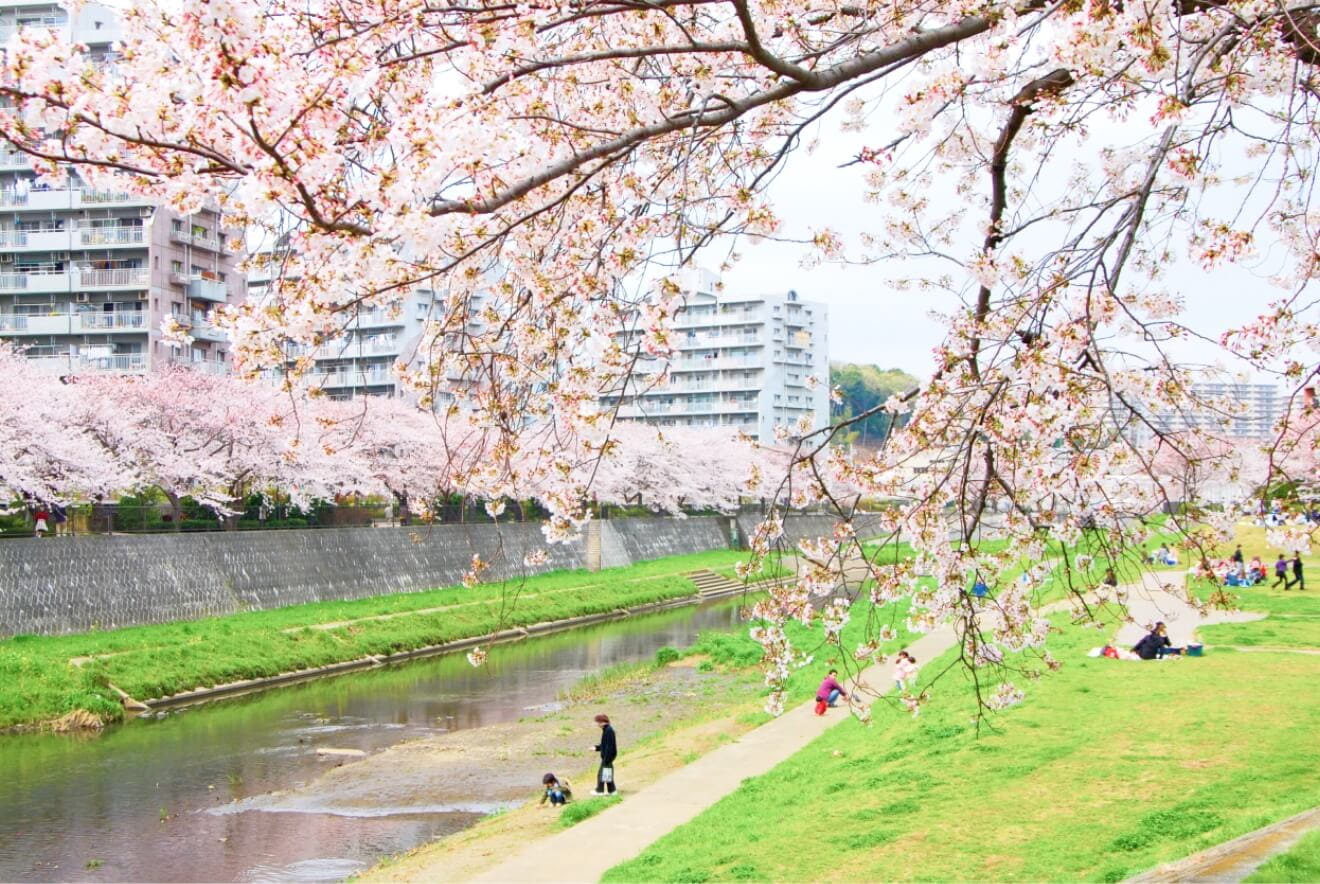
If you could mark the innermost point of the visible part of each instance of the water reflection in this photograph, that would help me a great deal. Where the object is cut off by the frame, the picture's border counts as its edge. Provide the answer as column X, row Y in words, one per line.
column 133, row 804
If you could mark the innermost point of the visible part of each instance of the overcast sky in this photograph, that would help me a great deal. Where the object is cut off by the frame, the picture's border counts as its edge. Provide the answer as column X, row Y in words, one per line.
column 870, row 322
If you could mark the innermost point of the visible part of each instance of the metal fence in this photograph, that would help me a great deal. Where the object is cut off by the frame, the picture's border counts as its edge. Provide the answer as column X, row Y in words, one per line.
column 157, row 518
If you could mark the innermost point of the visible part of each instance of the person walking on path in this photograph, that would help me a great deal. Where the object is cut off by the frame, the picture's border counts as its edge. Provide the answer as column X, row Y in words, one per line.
column 61, row 519
column 1297, row 573
column 1280, row 572
column 40, row 517
column 608, row 748
column 905, row 669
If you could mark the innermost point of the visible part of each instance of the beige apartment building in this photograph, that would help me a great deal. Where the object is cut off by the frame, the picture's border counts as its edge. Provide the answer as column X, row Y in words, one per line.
column 88, row 276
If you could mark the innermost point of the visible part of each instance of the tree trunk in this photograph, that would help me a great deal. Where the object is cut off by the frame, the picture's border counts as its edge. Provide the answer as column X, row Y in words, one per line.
column 405, row 514
column 176, row 510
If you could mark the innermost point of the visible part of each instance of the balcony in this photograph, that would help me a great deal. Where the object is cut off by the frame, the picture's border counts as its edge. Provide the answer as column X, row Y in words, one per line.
column 117, row 278
column 376, row 375
column 118, row 363
column 204, row 331
column 36, row 240
column 207, row 290
column 66, row 198
column 14, row 160
column 685, row 320
column 35, row 283
column 645, row 409
column 684, row 365
column 182, row 237
column 73, row 363
column 202, row 241
column 348, row 347
column 719, row 340
column 95, row 32
column 109, row 198
column 112, row 236
column 377, row 318
column 12, row 324
column 114, row 320
column 57, row 22
column 216, row 369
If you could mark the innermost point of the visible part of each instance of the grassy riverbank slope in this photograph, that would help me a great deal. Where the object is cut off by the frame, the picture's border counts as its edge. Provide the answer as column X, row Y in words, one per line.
column 43, row 678
column 1107, row 769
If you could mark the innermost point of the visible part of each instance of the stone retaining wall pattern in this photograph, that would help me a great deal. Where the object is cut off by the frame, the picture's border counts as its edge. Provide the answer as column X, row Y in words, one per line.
column 58, row 585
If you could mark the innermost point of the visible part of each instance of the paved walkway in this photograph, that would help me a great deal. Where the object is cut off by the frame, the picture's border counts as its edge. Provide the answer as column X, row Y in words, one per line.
column 586, row 851
column 1234, row 860
column 1149, row 602
column 626, row 829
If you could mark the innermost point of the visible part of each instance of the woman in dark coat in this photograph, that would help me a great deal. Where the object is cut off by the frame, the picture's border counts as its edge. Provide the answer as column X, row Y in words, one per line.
column 1153, row 644
column 609, row 750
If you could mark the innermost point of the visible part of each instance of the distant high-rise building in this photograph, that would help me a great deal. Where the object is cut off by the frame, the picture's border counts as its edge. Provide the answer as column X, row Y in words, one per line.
column 1230, row 409
column 87, row 276
column 360, row 360
column 743, row 362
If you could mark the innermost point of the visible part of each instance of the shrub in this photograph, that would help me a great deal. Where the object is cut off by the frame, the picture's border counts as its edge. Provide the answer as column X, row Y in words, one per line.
column 666, row 655
column 736, row 650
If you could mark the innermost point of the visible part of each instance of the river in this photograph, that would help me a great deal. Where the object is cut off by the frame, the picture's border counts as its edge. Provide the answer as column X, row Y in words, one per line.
column 162, row 799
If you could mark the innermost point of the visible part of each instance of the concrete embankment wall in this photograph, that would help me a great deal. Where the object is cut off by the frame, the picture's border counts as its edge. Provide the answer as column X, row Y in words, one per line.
column 59, row 585
column 628, row 541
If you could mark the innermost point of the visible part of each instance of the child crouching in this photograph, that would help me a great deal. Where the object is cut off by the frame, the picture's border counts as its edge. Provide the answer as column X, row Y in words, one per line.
column 557, row 791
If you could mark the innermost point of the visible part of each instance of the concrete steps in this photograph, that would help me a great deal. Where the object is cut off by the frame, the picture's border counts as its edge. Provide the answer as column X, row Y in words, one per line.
column 710, row 584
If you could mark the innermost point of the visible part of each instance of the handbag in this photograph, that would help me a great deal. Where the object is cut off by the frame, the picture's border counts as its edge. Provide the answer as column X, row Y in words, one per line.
column 607, row 774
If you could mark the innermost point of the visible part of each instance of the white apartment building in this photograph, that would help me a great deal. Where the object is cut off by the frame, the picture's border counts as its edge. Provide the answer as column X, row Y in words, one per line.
column 360, row 360
column 1234, row 410
column 742, row 362
column 87, row 277
column 1260, row 406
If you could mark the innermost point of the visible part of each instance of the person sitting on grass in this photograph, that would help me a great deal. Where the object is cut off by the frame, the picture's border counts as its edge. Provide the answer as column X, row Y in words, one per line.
column 556, row 790
column 1164, row 556
column 1155, row 644
column 1257, row 570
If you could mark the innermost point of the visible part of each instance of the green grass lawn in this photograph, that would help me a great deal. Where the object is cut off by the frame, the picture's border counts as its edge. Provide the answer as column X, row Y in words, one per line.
column 1293, row 619
column 37, row 683
column 1301, row 864
column 1108, row 768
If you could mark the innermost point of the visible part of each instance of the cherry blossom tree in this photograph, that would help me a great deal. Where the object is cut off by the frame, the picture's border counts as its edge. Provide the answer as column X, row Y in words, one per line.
column 46, row 453
column 672, row 468
column 211, row 438
column 1045, row 162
